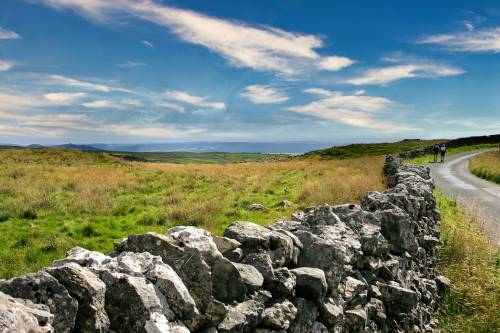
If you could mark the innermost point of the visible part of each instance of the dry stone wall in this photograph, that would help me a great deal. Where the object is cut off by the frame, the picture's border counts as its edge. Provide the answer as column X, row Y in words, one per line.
column 348, row 268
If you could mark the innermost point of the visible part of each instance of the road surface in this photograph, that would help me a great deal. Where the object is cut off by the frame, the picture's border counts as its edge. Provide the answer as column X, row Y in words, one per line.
column 479, row 196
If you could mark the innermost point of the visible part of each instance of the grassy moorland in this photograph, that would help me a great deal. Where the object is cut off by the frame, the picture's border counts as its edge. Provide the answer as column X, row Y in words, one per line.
column 52, row 200
column 190, row 158
column 370, row 149
column 473, row 266
column 487, row 166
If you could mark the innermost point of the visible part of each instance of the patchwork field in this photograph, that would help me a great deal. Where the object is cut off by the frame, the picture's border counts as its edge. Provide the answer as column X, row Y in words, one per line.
column 487, row 166
column 52, row 200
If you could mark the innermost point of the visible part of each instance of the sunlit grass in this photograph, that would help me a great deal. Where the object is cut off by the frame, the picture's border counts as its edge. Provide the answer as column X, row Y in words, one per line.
column 473, row 266
column 51, row 200
column 487, row 166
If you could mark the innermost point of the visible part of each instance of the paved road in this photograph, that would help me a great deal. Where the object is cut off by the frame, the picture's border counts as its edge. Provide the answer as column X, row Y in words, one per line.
column 479, row 196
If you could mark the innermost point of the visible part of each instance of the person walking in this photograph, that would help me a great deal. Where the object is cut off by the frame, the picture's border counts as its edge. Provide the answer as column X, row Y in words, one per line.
column 443, row 152
column 436, row 152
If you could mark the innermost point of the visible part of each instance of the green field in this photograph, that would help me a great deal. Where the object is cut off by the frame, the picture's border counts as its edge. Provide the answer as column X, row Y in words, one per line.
column 370, row 149
column 189, row 158
column 487, row 166
column 52, row 200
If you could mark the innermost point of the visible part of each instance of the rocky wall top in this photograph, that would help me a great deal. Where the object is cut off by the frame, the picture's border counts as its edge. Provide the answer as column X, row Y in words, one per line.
column 347, row 268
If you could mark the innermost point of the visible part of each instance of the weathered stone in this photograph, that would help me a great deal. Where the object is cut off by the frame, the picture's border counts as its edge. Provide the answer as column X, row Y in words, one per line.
column 187, row 262
column 443, row 284
column 235, row 255
column 228, row 285
column 332, row 315
column 82, row 257
column 279, row 315
column 198, row 240
column 280, row 248
column 171, row 286
column 320, row 215
column 42, row 288
column 311, row 283
column 305, row 320
column 398, row 229
column 352, row 288
column 250, row 235
column 398, row 299
column 286, row 203
column 131, row 303
column 224, row 244
column 262, row 262
column 242, row 318
column 355, row 320
column 283, row 284
column 89, row 291
column 22, row 316
column 256, row 206
column 250, row 276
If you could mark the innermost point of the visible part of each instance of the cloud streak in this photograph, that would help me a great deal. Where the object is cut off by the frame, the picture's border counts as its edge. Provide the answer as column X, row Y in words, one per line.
column 258, row 47
column 5, row 65
column 264, row 94
column 385, row 75
column 8, row 34
column 481, row 40
column 354, row 110
column 182, row 96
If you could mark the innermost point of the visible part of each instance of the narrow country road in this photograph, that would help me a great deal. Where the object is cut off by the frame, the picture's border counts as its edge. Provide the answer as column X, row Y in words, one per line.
column 479, row 196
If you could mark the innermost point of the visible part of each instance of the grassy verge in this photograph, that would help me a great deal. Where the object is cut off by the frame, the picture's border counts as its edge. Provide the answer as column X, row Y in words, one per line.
column 473, row 266
column 486, row 166
column 450, row 151
column 52, row 200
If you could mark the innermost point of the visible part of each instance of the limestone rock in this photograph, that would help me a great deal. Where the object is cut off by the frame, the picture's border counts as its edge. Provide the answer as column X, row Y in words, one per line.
column 242, row 318
column 42, row 288
column 133, row 304
column 311, row 283
column 18, row 315
column 89, row 291
column 279, row 316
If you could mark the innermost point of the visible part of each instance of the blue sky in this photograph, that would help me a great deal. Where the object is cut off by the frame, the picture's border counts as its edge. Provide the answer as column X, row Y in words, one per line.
column 337, row 71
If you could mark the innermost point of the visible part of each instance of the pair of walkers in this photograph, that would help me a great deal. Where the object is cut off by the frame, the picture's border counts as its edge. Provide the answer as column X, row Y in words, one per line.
column 439, row 148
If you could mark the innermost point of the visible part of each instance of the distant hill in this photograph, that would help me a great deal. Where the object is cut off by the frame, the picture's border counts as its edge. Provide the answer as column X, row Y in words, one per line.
column 72, row 146
column 373, row 149
column 370, row 149
column 293, row 148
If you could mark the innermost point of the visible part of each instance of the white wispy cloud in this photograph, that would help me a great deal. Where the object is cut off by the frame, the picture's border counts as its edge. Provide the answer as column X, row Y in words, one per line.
column 354, row 110
column 8, row 34
column 60, row 124
column 472, row 40
column 334, row 63
column 5, row 65
column 264, row 94
column 131, row 64
column 172, row 106
column 131, row 102
column 64, row 81
column 102, row 104
column 148, row 43
column 64, row 97
column 258, row 47
column 182, row 96
column 385, row 75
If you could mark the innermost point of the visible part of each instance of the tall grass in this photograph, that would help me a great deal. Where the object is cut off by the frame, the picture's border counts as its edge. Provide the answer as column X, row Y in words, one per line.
column 473, row 266
column 51, row 200
column 487, row 166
